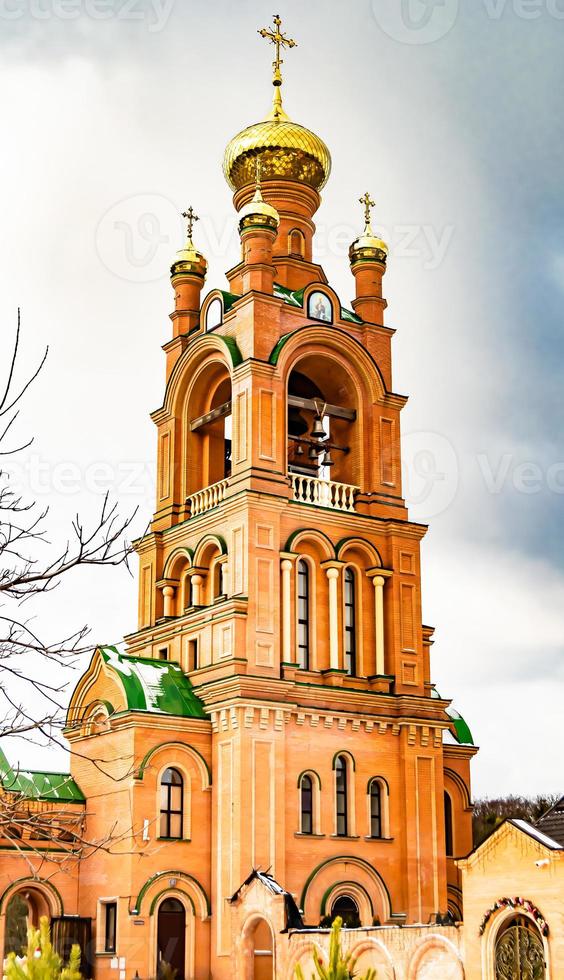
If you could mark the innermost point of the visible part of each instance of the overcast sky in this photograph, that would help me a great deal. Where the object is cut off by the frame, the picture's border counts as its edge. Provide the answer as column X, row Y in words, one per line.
column 114, row 118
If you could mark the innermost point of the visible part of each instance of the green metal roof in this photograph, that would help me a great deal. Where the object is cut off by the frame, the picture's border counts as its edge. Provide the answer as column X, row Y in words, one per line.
column 296, row 298
column 153, row 685
column 228, row 299
column 57, row 787
column 462, row 731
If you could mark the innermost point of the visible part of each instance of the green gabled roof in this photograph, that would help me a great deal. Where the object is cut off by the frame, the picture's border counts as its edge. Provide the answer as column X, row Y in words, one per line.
column 57, row 787
column 296, row 298
column 153, row 685
column 228, row 299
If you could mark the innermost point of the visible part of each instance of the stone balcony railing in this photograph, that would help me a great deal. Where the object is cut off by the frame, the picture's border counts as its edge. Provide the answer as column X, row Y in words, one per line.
column 209, row 497
column 323, row 493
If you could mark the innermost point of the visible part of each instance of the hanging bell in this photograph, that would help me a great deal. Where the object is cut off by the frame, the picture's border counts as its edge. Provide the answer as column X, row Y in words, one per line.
column 318, row 432
column 327, row 460
column 312, row 452
column 299, row 449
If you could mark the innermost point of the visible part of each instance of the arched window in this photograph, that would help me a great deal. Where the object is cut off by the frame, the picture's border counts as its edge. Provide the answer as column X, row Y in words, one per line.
column 306, row 804
column 341, row 792
column 172, row 804
column 219, row 580
column 296, row 244
column 304, row 631
column 214, row 315
column 319, row 307
column 350, row 622
column 519, row 951
column 376, row 809
column 449, row 835
column 347, row 909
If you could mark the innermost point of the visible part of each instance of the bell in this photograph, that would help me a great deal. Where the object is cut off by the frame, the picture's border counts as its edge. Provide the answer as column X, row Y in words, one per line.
column 299, row 449
column 327, row 461
column 318, row 432
column 312, row 452
column 297, row 424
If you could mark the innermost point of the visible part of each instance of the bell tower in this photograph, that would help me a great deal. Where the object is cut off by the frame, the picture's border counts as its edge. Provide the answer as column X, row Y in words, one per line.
column 282, row 572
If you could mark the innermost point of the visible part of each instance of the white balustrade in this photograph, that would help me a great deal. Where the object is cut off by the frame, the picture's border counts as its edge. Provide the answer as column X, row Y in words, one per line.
column 323, row 493
column 209, row 497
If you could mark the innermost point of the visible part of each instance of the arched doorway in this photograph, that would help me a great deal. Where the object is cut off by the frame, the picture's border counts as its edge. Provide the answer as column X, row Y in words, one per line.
column 519, row 951
column 171, row 940
column 263, row 954
column 18, row 917
column 347, row 909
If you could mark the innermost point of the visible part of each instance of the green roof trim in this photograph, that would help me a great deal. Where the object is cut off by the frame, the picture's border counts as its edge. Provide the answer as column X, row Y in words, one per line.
column 183, row 875
column 156, row 686
column 56, row 787
column 233, row 348
column 296, row 298
column 462, row 731
column 228, row 299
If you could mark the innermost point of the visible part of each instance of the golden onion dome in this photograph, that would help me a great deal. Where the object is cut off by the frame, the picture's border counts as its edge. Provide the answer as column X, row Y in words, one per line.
column 368, row 247
column 286, row 151
column 258, row 211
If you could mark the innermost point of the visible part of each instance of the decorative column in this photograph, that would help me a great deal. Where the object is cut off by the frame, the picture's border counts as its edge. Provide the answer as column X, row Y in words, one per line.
column 333, row 570
column 379, row 576
column 197, row 578
column 286, row 570
column 168, row 596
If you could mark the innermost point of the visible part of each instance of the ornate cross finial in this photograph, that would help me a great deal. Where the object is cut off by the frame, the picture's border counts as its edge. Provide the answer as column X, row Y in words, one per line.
column 368, row 205
column 280, row 40
column 191, row 217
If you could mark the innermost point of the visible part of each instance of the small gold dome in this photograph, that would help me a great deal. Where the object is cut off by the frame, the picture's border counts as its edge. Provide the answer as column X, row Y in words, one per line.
column 189, row 261
column 286, row 151
column 367, row 247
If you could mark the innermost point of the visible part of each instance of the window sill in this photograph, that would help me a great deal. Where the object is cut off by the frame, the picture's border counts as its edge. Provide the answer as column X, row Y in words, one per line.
column 175, row 840
column 300, row 833
column 383, row 840
column 104, row 952
column 345, row 836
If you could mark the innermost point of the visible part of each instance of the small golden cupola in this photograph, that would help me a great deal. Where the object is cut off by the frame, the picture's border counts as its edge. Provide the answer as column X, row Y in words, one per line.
column 187, row 275
column 257, row 212
column 368, row 256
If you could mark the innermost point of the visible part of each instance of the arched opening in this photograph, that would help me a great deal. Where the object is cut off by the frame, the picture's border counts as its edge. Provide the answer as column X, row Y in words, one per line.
column 303, row 615
column 214, row 314
column 376, row 809
column 341, row 796
column 322, row 411
column 296, row 244
column 350, row 646
column 519, row 951
column 171, row 940
column 306, row 805
column 346, row 907
column 18, row 917
column 210, row 429
column 263, row 952
column 172, row 805
column 449, row 828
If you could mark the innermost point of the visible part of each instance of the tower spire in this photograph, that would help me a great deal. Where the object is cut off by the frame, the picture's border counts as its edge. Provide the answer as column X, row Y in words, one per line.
column 191, row 218
column 280, row 41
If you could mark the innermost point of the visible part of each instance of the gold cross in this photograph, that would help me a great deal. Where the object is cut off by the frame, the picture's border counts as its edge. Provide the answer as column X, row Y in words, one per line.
column 368, row 205
column 280, row 41
column 191, row 217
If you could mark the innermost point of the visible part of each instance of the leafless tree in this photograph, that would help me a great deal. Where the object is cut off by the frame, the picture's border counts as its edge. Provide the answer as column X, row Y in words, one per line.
column 31, row 566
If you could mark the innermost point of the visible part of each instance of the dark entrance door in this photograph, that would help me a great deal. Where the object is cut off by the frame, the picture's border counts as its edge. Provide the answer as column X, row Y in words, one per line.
column 171, row 940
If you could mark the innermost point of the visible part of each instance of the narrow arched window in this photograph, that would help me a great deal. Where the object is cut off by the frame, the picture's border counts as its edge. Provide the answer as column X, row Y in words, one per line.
column 172, row 804
column 303, row 615
column 350, row 622
column 449, row 836
column 214, row 315
column 296, row 243
column 306, row 804
column 341, row 796
column 375, row 809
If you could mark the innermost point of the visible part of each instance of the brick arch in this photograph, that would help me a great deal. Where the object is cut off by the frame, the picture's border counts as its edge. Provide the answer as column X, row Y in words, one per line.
column 177, row 561
column 359, row 544
column 435, row 958
column 211, row 349
column 303, row 534
column 195, row 757
column 339, row 869
column 47, row 891
column 371, row 953
column 155, row 887
column 303, row 956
